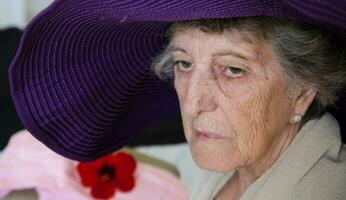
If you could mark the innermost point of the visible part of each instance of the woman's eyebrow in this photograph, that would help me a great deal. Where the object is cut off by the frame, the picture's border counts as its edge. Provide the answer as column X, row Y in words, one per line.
column 173, row 48
column 232, row 53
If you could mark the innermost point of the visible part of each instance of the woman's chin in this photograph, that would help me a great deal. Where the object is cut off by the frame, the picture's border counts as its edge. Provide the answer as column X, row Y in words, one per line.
column 211, row 159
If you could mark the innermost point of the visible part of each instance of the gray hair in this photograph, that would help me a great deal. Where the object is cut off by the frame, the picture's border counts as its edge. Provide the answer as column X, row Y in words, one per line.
column 310, row 56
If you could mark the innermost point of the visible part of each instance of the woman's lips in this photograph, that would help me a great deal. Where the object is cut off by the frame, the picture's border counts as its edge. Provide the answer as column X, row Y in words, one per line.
column 206, row 136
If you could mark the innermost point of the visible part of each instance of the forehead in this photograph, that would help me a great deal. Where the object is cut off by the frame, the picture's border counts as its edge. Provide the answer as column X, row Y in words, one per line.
column 193, row 39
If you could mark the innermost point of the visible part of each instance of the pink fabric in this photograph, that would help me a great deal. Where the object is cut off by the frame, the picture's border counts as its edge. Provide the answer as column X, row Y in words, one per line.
column 26, row 163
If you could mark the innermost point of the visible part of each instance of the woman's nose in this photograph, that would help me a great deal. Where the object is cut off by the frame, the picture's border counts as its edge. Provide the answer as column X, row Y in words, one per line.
column 200, row 95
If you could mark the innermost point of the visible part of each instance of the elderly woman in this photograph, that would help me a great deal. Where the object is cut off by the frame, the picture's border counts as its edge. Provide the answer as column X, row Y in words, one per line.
column 247, row 87
column 253, row 80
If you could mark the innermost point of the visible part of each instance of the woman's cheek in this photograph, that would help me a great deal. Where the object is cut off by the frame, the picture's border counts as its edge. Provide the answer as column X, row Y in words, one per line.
column 181, row 82
column 249, row 114
column 180, row 87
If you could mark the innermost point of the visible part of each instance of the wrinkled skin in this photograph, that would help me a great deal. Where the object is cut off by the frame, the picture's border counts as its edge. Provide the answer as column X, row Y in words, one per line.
column 247, row 106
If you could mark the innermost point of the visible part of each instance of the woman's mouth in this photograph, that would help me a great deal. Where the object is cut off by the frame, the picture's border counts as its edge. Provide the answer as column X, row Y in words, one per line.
column 207, row 136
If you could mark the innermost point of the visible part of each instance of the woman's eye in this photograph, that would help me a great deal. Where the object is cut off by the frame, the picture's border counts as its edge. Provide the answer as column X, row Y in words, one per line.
column 182, row 65
column 233, row 72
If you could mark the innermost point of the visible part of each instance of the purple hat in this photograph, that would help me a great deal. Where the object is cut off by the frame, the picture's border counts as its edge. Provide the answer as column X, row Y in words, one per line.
column 81, row 79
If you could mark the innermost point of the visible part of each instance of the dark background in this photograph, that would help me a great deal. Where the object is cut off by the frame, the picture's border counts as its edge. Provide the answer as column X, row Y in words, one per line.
column 167, row 131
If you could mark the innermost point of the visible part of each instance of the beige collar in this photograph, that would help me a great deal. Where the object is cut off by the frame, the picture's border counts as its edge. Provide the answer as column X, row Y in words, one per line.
column 315, row 139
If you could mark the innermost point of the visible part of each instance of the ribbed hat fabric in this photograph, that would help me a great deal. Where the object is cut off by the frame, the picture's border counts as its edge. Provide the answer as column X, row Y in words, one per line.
column 81, row 81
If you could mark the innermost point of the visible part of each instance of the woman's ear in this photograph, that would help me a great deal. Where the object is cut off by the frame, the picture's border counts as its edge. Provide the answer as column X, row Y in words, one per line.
column 302, row 103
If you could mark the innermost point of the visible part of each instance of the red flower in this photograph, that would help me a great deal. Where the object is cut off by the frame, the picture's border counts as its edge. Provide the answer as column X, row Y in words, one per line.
column 105, row 175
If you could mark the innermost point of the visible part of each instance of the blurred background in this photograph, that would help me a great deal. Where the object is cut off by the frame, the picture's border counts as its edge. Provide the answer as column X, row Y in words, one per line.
column 14, row 15
column 17, row 13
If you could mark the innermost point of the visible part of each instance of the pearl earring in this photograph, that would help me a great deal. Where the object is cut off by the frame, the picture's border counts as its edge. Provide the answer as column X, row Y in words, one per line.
column 297, row 118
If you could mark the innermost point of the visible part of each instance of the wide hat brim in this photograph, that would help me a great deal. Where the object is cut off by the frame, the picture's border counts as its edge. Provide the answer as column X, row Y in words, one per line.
column 81, row 79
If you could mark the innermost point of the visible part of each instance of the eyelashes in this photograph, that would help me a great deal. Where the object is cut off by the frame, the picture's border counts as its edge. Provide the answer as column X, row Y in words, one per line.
column 233, row 72
column 228, row 71
column 182, row 65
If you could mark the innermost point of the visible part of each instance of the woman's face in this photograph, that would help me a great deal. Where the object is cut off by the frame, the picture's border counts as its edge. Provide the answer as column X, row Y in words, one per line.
column 231, row 89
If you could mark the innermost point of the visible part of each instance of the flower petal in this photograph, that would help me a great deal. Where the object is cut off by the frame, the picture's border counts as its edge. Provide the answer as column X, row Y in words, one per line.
column 125, row 182
column 88, row 171
column 88, row 174
column 103, row 191
column 124, row 163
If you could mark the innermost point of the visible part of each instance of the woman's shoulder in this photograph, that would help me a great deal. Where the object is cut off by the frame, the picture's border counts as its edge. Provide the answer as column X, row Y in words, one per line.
column 327, row 177
column 313, row 166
